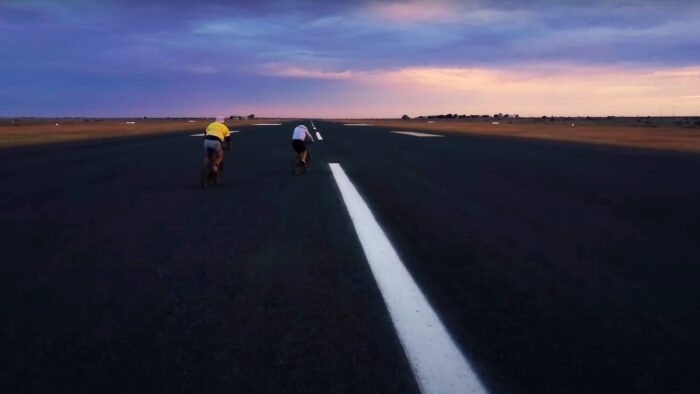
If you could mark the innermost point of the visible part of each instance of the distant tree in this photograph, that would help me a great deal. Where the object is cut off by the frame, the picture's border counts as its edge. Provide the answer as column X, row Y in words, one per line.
column 517, row 116
column 145, row 117
column 506, row 116
column 485, row 116
column 405, row 117
column 463, row 116
column 251, row 116
column 231, row 117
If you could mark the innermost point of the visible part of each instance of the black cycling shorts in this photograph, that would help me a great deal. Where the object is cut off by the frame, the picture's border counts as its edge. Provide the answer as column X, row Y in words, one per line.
column 299, row 145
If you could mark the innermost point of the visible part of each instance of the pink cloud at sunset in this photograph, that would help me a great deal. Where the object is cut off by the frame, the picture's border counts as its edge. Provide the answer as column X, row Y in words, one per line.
column 527, row 90
column 411, row 11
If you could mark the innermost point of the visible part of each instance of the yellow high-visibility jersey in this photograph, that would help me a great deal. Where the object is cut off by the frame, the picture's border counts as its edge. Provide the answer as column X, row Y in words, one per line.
column 219, row 130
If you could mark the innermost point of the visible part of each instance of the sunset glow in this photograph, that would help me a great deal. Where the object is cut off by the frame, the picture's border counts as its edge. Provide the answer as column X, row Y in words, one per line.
column 366, row 59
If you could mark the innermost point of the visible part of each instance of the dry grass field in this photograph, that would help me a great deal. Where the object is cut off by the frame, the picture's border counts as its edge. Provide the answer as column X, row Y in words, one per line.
column 39, row 131
column 662, row 134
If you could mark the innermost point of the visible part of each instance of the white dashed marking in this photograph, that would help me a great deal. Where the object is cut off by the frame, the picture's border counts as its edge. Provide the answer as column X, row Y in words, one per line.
column 415, row 134
column 203, row 134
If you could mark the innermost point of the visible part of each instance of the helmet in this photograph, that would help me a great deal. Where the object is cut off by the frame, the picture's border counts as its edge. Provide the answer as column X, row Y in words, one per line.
column 220, row 119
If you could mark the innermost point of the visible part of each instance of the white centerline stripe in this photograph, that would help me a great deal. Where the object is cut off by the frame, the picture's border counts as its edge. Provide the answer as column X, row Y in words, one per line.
column 318, row 136
column 437, row 363
column 357, row 124
column 416, row 134
column 267, row 124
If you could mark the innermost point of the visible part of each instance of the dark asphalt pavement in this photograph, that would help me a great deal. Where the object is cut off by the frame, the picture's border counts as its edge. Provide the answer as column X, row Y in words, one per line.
column 556, row 267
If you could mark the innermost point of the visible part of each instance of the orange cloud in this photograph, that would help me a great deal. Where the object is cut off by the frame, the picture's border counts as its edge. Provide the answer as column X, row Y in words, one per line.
column 553, row 89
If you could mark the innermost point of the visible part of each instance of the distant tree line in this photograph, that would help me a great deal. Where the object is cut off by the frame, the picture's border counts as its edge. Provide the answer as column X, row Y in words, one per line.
column 634, row 120
column 463, row 116
column 234, row 117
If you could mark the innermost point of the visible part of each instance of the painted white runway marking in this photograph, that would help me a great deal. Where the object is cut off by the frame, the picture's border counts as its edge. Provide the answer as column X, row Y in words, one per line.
column 267, row 124
column 356, row 124
column 437, row 363
column 415, row 134
column 202, row 134
column 318, row 136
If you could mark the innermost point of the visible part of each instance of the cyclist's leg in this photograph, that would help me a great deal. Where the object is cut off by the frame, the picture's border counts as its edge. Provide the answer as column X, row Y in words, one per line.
column 299, row 151
column 218, row 153
column 207, row 153
column 213, row 151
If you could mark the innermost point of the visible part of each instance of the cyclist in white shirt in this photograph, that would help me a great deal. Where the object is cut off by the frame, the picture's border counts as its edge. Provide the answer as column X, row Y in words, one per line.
column 299, row 137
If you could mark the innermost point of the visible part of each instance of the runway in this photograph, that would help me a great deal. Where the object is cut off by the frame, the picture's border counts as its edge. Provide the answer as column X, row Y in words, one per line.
column 553, row 266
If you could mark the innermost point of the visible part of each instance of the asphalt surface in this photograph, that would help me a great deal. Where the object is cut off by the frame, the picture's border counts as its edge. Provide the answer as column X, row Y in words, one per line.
column 556, row 267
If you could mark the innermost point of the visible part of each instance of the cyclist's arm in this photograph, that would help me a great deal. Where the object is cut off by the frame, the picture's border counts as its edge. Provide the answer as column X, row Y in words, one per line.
column 309, row 136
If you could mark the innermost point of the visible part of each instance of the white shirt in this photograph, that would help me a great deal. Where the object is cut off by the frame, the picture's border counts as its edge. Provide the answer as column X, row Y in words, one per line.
column 302, row 133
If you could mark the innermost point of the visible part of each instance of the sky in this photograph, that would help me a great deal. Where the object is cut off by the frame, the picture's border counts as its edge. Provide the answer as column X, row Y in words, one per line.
column 358, row 59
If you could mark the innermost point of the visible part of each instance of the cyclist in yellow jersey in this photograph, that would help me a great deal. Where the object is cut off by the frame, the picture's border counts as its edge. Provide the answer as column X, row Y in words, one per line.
column 216, row 134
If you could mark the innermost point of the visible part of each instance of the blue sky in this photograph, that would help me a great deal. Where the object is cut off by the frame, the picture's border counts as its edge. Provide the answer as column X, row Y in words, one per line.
column 348, row 59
